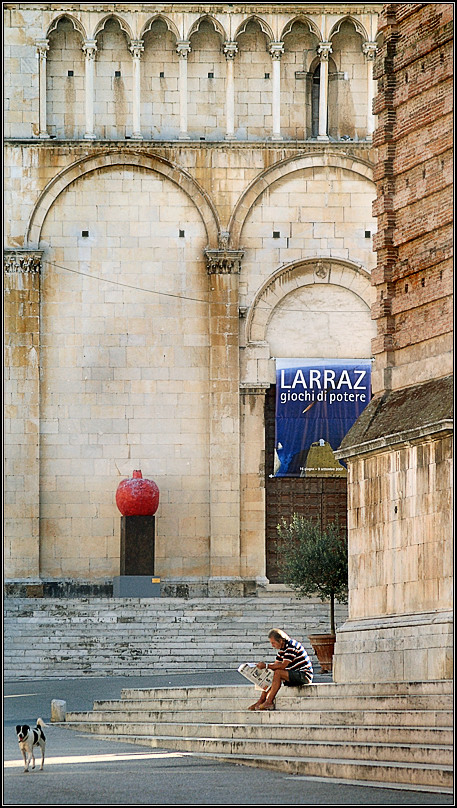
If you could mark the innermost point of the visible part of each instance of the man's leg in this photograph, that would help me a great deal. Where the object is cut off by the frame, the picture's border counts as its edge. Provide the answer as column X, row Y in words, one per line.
column 279, row 677
column 261, row 700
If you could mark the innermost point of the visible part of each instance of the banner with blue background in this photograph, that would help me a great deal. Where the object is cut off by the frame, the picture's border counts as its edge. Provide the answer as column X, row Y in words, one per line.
column 317, row 402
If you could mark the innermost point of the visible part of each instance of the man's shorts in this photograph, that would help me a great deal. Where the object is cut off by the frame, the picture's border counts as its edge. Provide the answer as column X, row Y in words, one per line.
column 300, row 677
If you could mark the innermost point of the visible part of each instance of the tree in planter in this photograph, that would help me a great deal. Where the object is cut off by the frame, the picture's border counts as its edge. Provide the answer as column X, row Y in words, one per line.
column 314, row 560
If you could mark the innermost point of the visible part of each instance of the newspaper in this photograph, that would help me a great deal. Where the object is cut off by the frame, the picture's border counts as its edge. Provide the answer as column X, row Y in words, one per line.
column 260, row 677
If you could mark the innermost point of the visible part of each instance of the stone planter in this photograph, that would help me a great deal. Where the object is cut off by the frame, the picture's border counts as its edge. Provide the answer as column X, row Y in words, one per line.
column 323, row 645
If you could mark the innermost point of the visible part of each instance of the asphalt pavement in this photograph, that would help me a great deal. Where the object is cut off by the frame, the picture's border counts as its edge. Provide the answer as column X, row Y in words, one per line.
column 84, row 770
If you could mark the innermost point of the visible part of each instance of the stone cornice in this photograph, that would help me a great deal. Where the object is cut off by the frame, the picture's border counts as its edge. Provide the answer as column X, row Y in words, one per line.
column 398, row 439
column 221, row 8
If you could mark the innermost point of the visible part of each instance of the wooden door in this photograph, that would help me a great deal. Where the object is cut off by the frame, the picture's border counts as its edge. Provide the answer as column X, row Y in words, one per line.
column 321, row 498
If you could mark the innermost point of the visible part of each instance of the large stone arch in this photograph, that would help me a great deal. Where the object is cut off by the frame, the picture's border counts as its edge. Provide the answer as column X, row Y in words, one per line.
column 290, row 277
column 258, row 367
column 121, row 157
column 281, row 169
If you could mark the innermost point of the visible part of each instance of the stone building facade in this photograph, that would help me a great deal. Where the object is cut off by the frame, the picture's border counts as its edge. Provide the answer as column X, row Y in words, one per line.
column 188, row 195
column 399, row 452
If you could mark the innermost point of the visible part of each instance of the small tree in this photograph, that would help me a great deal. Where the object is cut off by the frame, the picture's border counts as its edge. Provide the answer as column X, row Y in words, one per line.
column 314, row 560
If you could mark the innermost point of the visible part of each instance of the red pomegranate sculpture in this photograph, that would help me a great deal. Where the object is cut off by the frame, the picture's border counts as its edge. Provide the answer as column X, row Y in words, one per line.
column 137, row 497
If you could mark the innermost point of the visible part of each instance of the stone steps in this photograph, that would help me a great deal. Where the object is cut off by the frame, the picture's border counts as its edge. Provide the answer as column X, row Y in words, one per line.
column 139, row 724
column 133, row 636
column 389, row 734
column 424, row 719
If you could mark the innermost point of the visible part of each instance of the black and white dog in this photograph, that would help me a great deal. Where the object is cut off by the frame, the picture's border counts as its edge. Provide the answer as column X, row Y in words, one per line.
column 28, row 738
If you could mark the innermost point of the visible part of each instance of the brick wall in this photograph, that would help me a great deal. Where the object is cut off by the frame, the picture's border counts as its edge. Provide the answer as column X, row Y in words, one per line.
column 414, row 188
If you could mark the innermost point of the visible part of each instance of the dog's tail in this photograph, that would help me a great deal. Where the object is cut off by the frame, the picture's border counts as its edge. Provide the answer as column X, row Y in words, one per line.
column 40, row 723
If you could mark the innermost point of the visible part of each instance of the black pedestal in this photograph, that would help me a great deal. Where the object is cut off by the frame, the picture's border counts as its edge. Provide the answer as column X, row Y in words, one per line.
column 137, row 545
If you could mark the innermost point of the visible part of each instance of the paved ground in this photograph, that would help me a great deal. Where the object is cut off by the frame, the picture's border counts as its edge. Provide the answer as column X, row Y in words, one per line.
column 83, row 770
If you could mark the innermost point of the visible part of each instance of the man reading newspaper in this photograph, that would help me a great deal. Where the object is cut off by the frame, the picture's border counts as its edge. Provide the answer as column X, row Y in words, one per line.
column 292, row 667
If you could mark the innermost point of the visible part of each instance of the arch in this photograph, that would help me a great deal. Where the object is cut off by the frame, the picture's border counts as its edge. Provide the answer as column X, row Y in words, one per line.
column 313, row 29
column 121, row 157
column 77, row 25
column 281, row 169
column 360, row 29
column 125, row 27
column 169, row 23
column 208, row 18
column 324, row 270
column 263, row 26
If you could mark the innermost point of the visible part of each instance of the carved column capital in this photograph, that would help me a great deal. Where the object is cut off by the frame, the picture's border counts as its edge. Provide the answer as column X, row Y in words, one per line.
column 90, row 48
column 22, row 260
column 230, row 50
column 276, row 50
column 324, row 50
column 42, row 46
column 136, row 48
column 183, row 48
column 223, row 261
column 370, row 49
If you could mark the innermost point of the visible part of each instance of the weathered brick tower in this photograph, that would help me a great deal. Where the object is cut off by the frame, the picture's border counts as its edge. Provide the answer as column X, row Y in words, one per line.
column 399, row 451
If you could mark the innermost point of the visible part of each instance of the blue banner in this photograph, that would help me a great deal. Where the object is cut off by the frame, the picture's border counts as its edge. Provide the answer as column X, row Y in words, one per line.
column 317, row 402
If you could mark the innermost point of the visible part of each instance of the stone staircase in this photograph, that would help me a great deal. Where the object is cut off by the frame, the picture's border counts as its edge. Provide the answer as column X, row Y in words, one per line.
column 395, row 735
column 130, row 636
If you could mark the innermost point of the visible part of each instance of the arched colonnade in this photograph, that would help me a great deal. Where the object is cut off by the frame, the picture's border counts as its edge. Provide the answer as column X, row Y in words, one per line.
column 157, row 104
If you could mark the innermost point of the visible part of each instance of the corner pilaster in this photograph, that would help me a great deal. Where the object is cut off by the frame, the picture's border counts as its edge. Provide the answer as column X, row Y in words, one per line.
column 223, row 267
column 22, row 269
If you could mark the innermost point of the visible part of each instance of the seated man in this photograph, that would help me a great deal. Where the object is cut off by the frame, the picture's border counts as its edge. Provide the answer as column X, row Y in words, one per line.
column 292, row 666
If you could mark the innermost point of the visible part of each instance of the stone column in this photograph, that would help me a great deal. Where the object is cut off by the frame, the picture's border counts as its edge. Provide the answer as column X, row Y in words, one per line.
column 223, row 267
column 22, row 411
column 276, row 50
column 252, row 510
column 324, row 50
column 90, row 49
column 42, row 46
column 230, row 49
column 369, row 49
column 183, row 50
column 136, row 49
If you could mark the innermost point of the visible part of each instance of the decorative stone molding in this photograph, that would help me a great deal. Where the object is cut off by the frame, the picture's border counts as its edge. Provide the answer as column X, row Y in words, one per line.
column 223, row 261
column 254, row 389
column 23, row 261
column 322, row 269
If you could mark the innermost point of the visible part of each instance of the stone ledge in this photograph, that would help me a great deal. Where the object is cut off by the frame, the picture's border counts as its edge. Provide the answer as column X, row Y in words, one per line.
column 401, row 417
column 395, row 648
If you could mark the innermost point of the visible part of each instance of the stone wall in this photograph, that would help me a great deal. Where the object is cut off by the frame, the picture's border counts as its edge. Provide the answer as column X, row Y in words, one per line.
column 399, row 452
column 186, row 222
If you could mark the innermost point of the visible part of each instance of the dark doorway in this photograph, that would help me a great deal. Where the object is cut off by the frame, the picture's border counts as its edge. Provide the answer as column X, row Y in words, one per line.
column 320, row 498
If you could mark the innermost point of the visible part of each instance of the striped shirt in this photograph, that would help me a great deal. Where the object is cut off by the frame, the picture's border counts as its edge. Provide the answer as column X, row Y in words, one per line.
column 297, row 656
